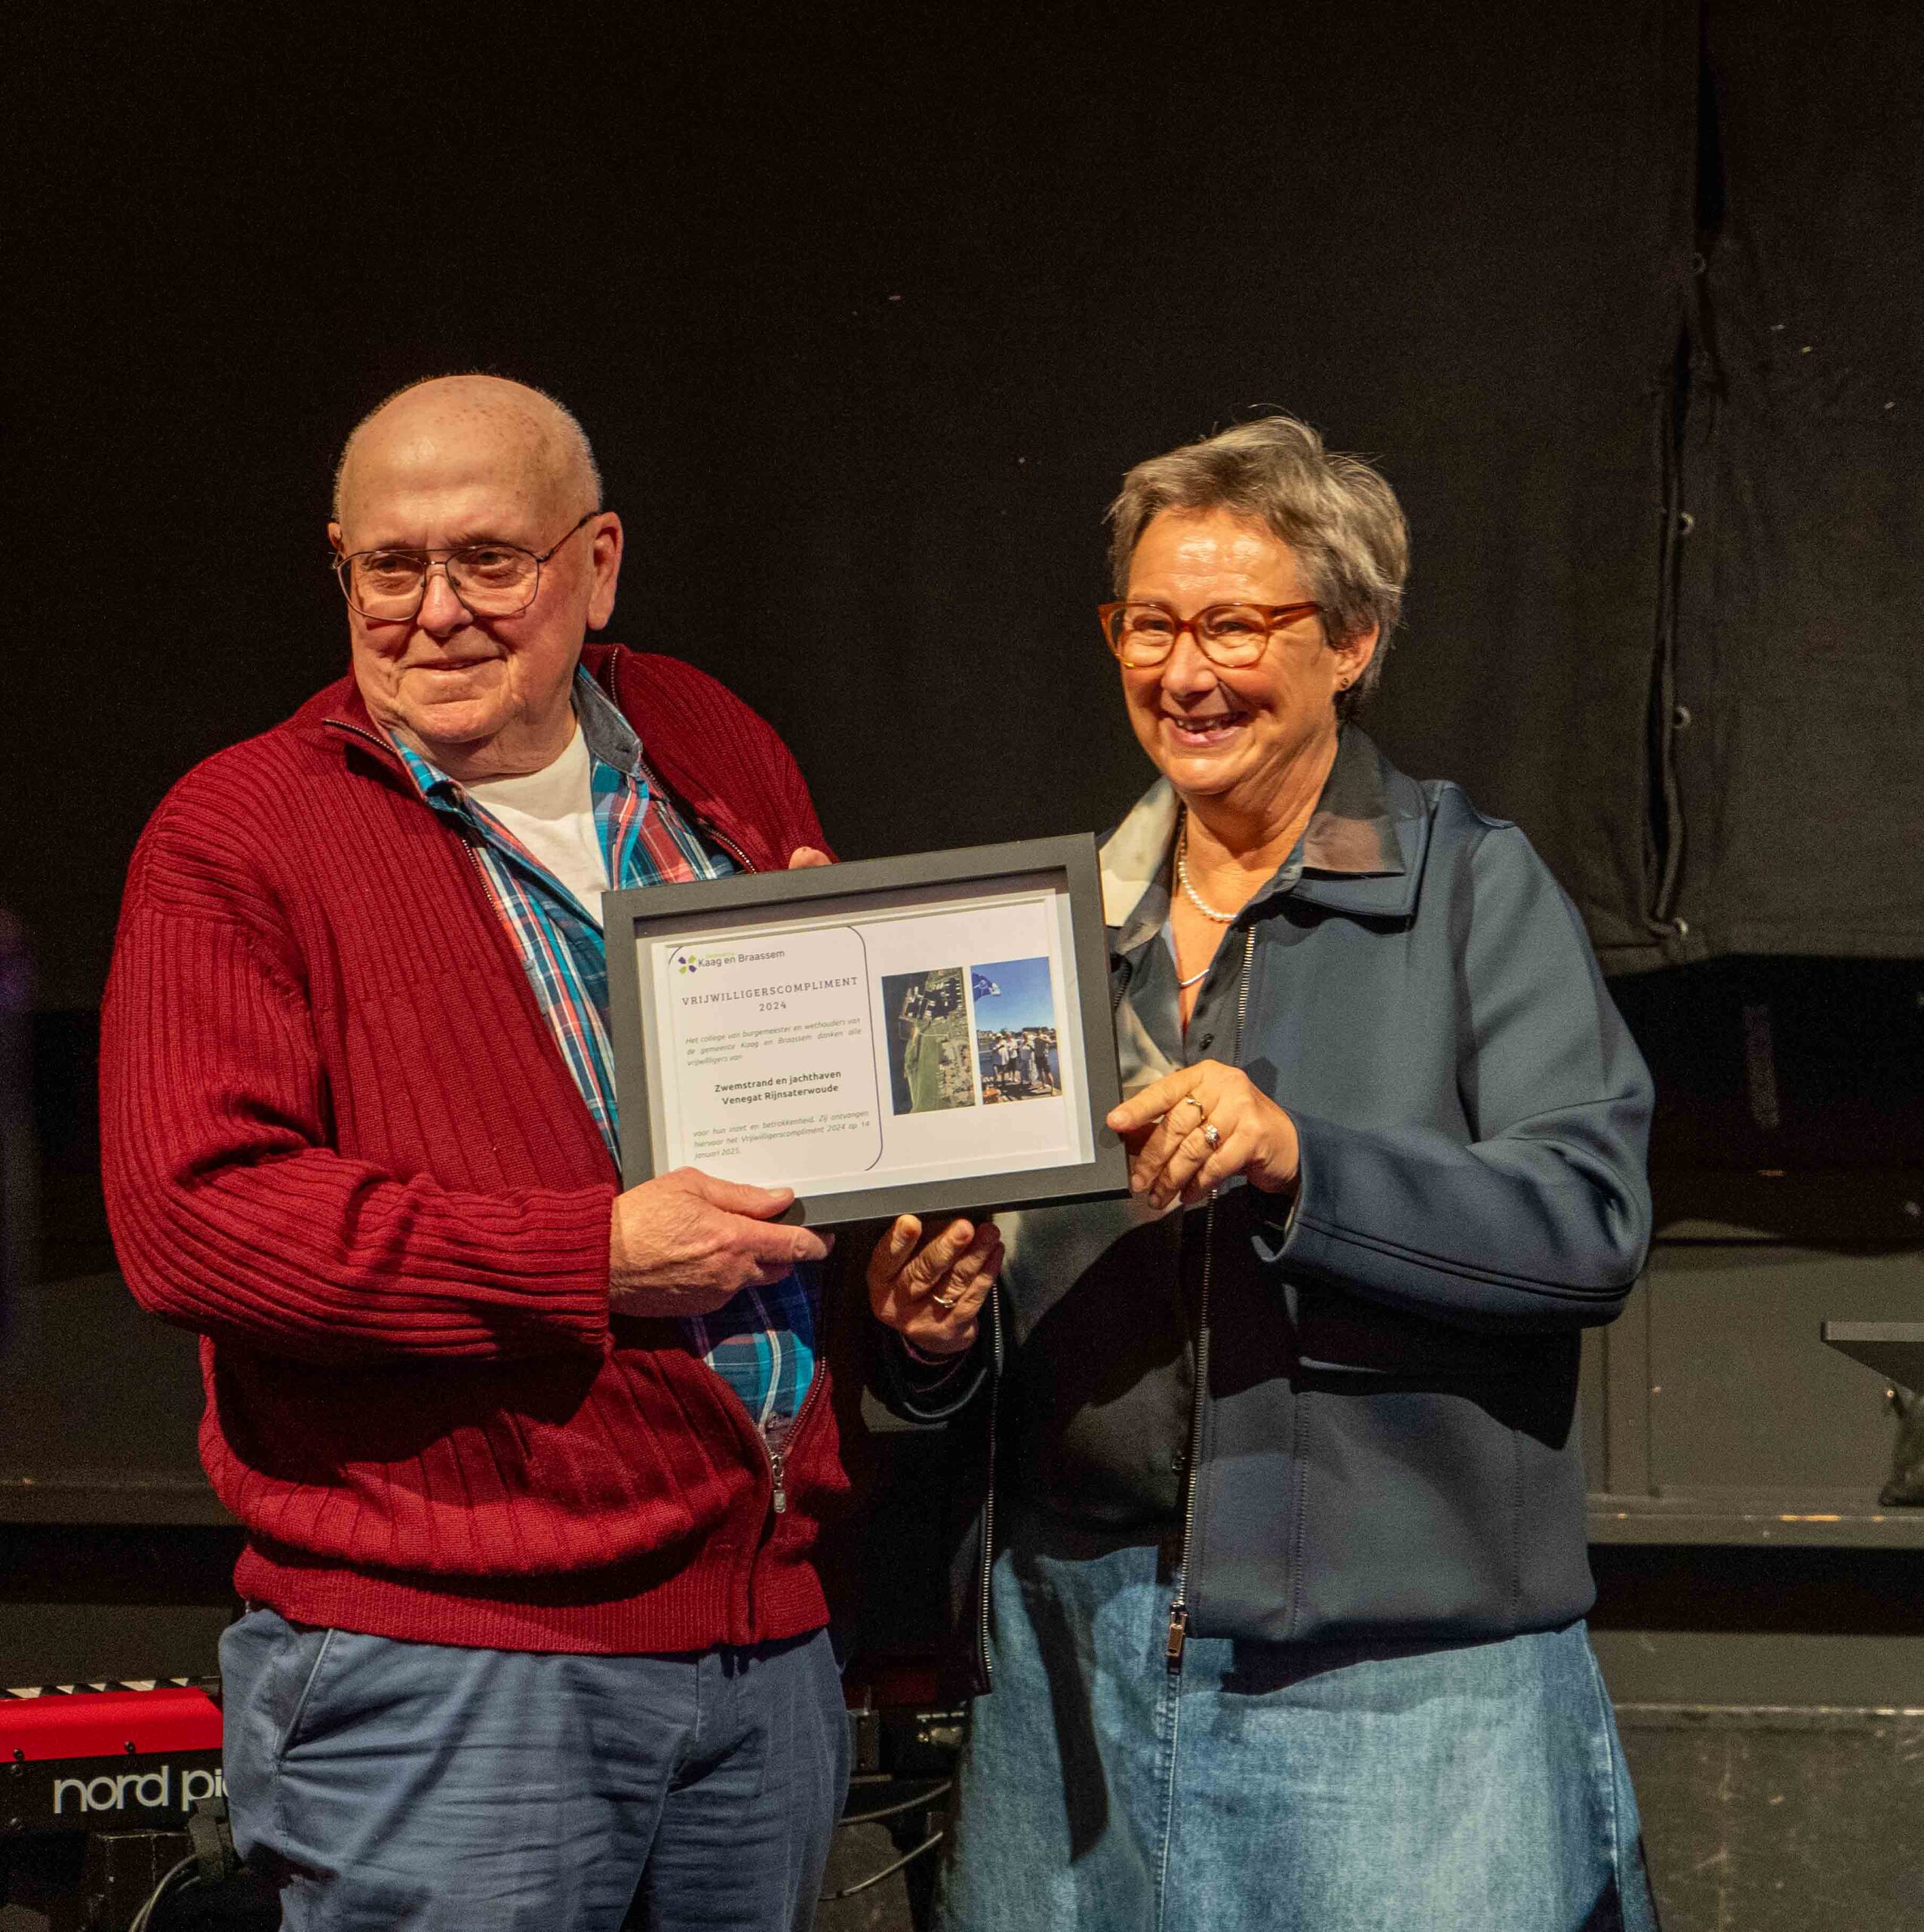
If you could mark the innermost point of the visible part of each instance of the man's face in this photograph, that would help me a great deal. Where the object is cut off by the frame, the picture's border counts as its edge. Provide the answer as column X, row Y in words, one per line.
column 487, row 693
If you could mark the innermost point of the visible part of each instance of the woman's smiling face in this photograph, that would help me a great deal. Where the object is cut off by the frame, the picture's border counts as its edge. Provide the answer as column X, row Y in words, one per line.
column 1214, row 731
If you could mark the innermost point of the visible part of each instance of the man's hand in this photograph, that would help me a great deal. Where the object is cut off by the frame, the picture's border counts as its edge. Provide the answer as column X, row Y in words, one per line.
column 1194, row 1128
column 685, row 1243
column 960, row 1265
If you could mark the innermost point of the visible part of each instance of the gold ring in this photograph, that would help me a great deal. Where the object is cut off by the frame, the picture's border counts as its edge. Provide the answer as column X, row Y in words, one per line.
column 945, row 1302
column 1189, row 1100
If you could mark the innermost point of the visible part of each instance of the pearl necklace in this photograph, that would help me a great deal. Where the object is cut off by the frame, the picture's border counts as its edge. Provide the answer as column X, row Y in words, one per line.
column 1195, row 898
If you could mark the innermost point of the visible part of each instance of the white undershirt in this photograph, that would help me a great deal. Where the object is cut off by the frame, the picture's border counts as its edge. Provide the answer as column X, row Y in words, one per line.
column 552, row 812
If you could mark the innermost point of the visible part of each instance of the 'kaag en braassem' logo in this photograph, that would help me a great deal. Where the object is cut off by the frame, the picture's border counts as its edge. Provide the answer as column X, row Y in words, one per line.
column 698, row 960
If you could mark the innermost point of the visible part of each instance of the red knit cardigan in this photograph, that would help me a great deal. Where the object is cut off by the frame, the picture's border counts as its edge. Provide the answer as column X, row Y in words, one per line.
column 339, row 1141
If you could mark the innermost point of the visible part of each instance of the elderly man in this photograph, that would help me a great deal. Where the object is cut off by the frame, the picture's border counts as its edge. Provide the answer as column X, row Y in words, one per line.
column 530, row 1468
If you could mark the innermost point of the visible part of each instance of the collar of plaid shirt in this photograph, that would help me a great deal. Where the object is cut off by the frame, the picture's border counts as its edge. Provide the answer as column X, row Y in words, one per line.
column 762, row 1342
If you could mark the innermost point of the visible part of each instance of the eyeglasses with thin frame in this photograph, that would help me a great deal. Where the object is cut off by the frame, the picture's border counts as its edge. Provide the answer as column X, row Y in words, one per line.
column 492, row 579
column 1142, row 633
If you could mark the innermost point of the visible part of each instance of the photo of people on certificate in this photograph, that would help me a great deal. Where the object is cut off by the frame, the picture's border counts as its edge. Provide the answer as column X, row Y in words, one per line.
column 1016, row 1031
column 833, row 1053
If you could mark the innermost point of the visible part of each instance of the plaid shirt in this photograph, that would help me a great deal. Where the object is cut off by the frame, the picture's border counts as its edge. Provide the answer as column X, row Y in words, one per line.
column 762, row 1343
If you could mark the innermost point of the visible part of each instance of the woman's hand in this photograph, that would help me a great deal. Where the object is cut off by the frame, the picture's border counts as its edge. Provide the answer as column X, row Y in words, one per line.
column 1196, row 1128
column 932, row 1296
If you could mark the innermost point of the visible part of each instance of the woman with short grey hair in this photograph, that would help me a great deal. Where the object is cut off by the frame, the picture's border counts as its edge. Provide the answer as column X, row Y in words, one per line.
column 1278, row 1609
column 1336, row 515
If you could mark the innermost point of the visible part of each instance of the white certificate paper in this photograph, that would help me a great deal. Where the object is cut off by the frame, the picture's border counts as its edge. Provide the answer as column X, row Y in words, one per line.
column 844, row 1049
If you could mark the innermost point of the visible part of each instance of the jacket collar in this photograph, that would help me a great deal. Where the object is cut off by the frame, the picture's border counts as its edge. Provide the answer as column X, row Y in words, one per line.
column 1363, row 852
column 339, row 713
column 675, row 761
column 341, row 710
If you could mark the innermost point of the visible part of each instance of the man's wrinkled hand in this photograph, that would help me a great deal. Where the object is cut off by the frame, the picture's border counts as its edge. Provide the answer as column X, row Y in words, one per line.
column 932, row 1296
column 686, row 1243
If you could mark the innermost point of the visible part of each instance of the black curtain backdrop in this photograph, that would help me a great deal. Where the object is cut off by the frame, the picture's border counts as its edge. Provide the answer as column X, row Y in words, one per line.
column 1794, row 738
column 867, row 313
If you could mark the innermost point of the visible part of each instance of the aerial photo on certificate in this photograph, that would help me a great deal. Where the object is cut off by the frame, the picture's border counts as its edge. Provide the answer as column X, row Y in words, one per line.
column 832, row 1054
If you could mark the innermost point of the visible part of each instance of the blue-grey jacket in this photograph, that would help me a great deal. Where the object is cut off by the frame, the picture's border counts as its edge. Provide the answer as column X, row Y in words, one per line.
column 1385, row 1440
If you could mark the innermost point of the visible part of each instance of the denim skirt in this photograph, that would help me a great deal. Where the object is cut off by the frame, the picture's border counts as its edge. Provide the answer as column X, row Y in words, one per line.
column 1326, row 1787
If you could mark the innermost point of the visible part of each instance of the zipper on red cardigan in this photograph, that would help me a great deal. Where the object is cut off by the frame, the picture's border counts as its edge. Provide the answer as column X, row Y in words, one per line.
column 380, row 744
column 778, row 1453
column 778, row 1457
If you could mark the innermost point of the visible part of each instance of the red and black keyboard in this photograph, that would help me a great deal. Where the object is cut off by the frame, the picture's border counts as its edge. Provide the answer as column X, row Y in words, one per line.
column 127, row 1756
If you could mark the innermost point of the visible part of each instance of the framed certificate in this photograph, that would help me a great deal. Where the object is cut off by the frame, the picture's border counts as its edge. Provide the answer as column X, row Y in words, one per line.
column 890, row 1036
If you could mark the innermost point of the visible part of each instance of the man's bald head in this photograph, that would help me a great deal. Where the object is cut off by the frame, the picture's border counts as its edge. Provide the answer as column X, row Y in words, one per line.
column 527, row 433
column 445, row 472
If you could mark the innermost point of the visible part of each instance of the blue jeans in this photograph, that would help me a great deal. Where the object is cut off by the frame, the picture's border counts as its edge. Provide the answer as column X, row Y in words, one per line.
column 1304, row 1788
column 396, row 1785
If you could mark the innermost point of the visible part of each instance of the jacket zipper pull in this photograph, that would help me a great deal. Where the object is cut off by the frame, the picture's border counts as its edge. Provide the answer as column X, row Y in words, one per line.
column 777, row 1458
column 1178, row 1633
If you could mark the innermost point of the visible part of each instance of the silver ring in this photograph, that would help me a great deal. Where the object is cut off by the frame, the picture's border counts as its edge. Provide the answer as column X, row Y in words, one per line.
column 1212, row 1134
column 945, row 1302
